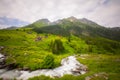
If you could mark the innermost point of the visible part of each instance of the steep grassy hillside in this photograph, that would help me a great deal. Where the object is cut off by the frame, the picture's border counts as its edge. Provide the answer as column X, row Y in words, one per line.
column 27, row 49
column 43, row 44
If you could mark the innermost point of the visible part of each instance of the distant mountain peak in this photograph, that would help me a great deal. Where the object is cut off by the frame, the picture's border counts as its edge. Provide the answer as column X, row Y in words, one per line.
column 87, row 21
column 39, row 23
column 72, row 18
column 12, row 27
column 46, row 21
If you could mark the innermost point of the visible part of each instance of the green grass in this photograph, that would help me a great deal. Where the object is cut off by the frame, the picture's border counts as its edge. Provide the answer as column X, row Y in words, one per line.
column 103, row 63
column 22, row 49
column 97, row 63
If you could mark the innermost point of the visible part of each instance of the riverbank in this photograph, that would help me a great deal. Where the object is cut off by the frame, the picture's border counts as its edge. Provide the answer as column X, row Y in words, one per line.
column 69, row 65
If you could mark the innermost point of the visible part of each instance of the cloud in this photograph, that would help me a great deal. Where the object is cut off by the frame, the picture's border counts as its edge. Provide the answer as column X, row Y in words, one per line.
column 104, row 12
column 8, row 22
column 108, row 14
column 3, row 26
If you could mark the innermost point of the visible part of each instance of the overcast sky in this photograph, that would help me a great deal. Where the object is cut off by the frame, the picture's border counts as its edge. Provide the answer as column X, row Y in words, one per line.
column 104, row 12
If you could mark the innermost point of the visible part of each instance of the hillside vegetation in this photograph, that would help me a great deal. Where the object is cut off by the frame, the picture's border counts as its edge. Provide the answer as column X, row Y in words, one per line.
column 43, row 44
column 27, row 49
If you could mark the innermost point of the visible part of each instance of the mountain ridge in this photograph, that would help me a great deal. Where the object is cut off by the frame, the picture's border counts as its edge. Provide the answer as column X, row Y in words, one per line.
column 78, row 27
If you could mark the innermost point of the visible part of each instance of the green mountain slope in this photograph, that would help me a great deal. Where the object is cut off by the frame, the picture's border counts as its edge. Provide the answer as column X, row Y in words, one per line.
column 77, row 27
column 39, row 23
column 28, row 47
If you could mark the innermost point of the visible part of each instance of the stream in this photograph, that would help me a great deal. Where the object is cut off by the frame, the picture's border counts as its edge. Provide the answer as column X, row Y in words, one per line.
column 69, row 65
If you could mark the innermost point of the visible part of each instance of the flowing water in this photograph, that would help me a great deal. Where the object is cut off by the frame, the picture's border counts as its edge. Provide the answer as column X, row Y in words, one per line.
column 69, row 65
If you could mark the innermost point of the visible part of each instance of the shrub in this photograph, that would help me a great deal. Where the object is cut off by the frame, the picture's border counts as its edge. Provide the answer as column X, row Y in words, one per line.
column 48, row 62
column 57, row 46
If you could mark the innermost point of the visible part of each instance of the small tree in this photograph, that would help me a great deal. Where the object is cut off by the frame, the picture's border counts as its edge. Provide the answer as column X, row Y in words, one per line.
column 57, row 46
column 48, row 62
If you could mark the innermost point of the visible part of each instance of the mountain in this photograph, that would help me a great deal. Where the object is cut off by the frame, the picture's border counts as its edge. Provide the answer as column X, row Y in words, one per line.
column 11, row 28
column 86, row 21
column 115, row 29
column 39, row 23
column 7, row 22
column 44, row 21
column 79, row 27
column 41, row 43
column 72, row 19
column 69, row 19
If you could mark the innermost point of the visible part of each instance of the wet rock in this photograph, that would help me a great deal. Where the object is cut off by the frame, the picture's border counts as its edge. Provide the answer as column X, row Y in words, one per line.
column 25, row 68
column 117, row 60
column 4, row 65
column 88, row 78
column 101, row 75
column 1, row 47
column 2, row 59
column 10, row 75
column 11, row 66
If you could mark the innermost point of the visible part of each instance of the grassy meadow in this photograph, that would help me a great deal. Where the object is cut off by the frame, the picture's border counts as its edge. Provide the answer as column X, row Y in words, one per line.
column 29, row 50
column 108, row 65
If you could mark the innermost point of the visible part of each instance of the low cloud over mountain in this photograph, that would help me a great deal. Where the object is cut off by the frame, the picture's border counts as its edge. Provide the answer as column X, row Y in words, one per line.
column 8, row 22
column 104, row 12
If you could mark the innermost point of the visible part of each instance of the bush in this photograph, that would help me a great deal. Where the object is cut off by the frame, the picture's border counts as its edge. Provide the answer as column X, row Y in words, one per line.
column 48, row 62
column 57, row 46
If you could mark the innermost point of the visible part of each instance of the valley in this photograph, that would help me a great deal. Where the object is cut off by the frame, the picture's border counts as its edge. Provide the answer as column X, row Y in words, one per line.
column 43, row 44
